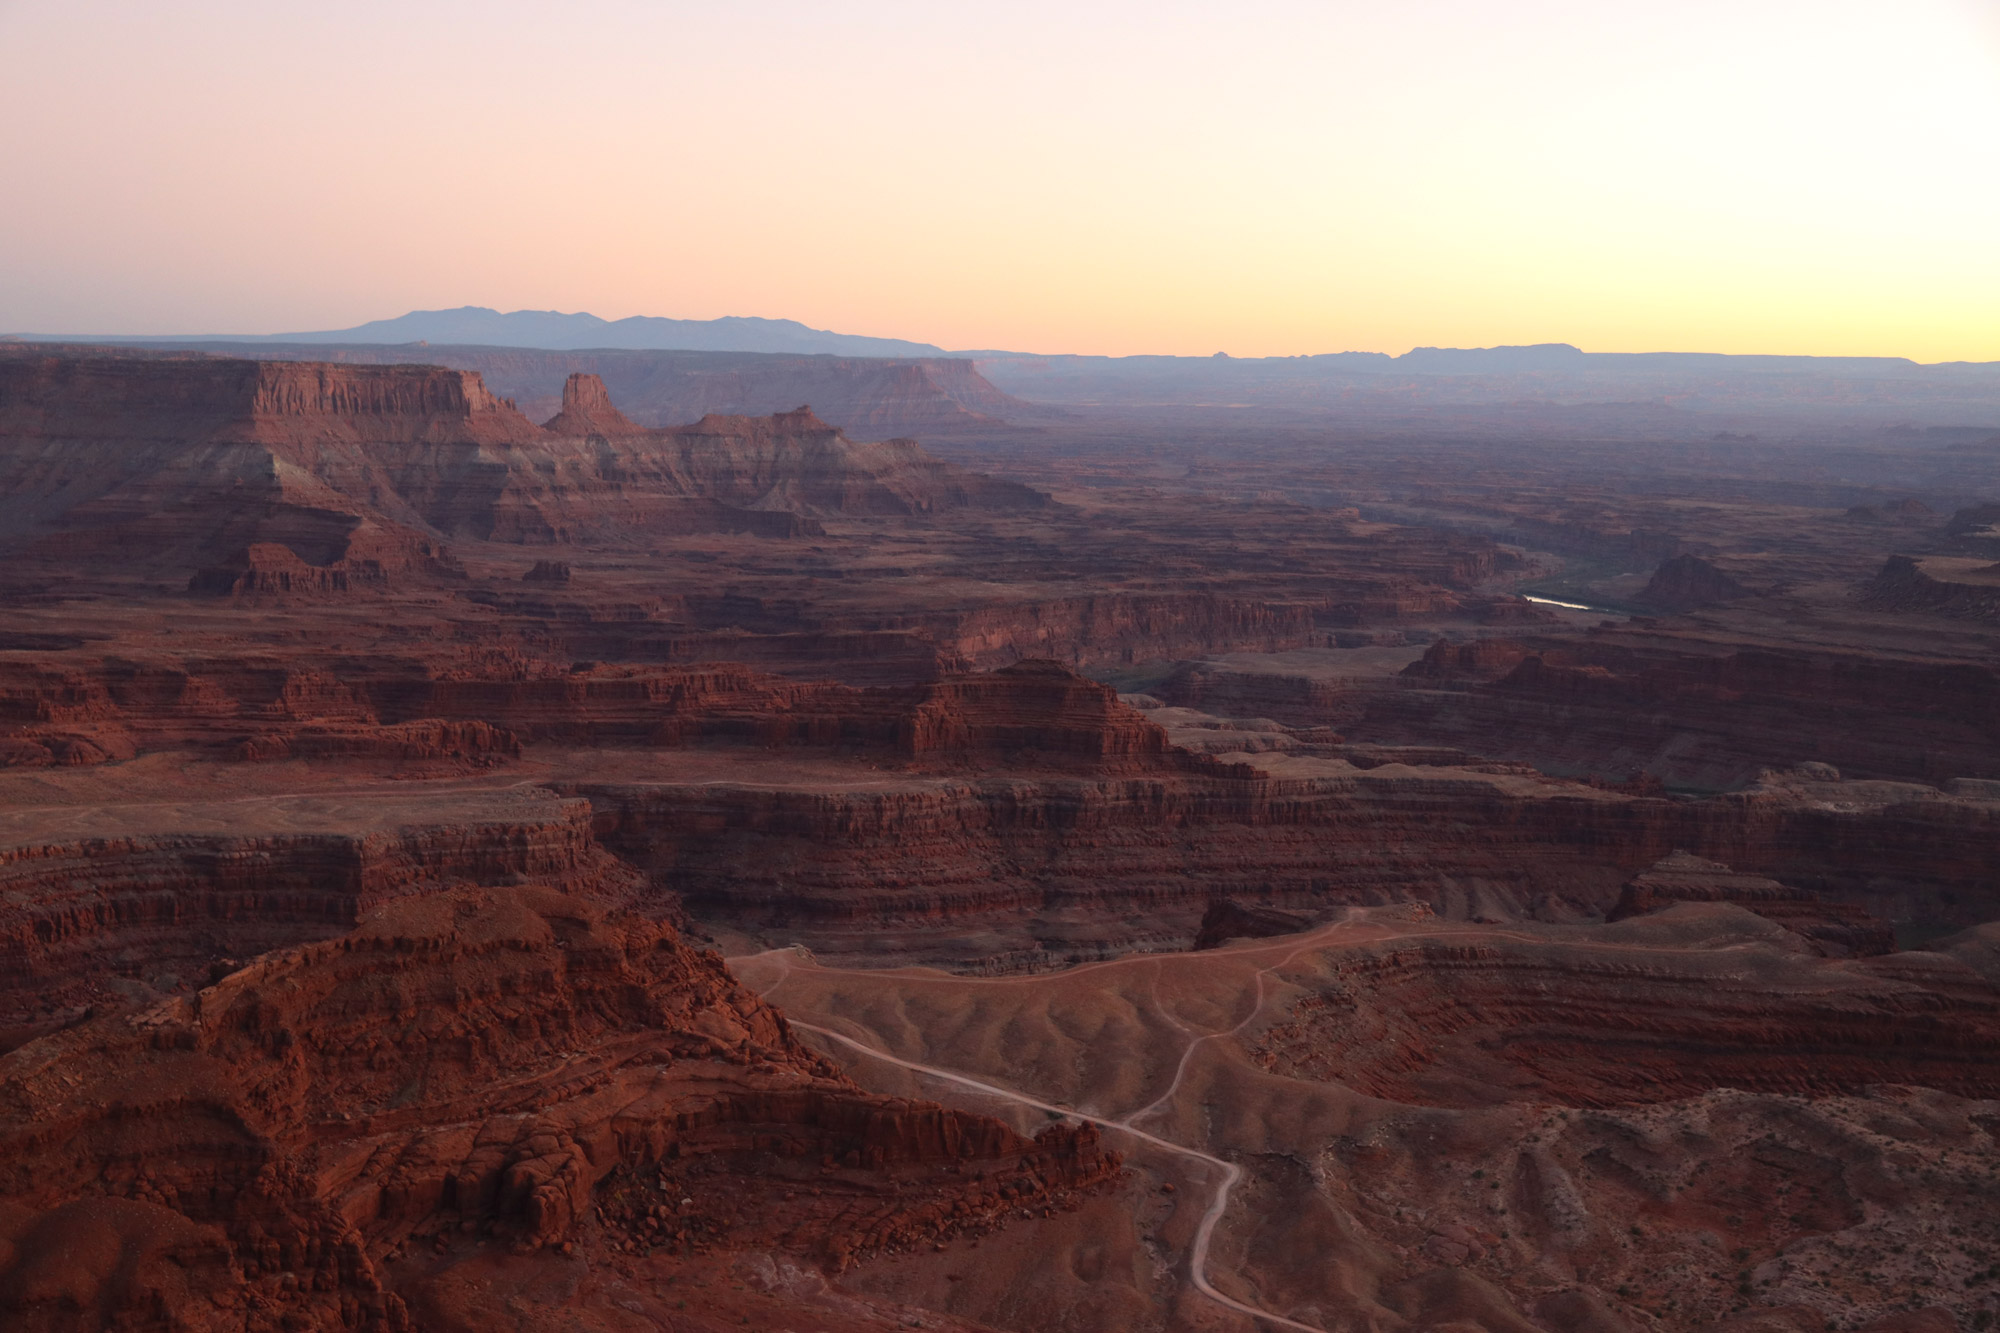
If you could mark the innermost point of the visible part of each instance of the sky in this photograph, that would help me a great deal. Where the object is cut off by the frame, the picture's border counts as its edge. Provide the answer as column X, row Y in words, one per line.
column 1257, row 177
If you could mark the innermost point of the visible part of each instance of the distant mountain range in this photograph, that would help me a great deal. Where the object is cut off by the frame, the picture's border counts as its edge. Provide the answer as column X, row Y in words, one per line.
column 653, row 364
column 478, row 326
column 552, row 330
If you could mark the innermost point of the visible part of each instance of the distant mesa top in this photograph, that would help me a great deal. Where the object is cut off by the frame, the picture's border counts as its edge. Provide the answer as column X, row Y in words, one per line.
column 287, row 476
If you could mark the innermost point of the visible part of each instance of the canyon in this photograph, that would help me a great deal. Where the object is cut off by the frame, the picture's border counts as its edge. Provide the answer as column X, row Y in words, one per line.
column 551, row 839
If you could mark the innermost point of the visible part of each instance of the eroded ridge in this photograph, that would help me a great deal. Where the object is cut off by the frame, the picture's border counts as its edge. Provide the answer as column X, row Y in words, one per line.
column 322, row 1135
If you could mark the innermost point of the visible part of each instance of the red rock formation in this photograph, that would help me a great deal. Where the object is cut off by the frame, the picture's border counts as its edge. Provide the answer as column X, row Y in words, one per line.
column 1227, row 919
column 1481, row 659
column 1120, row 861
column 160, row 895
column 1133, row 627
column 1132, row 822
column 868, row 398
column 794, row 460
column 370, row 558
column 212, row 462
column 857, row 786
column 587, row 410
column 547, row 571
column 467, row 1063
column 1039, row 707
column 427, row 739
column 1635, row 1014
column 1838, row 930
column 1136, row 859
column 405, row 708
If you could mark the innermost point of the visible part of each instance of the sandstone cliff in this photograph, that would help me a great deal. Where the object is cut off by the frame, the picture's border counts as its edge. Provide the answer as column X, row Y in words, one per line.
column 1029, row 869
column 360, row 471
column 407, row 708
column 866, row 397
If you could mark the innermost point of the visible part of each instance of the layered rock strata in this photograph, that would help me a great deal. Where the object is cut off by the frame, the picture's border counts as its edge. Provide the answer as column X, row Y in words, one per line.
column 1728, row 1001
column 869, row 398
column 1695, row 714
column 359, row 471
column 1022, row 870
column 262, row 1153
column 407, row 708
column 132, row 902
column 1839, row 930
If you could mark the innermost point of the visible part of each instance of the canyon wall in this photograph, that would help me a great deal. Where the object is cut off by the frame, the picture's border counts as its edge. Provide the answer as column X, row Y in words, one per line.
column 1641, row 703
column 1072, row 867
column 199, row 460
column 868, row 398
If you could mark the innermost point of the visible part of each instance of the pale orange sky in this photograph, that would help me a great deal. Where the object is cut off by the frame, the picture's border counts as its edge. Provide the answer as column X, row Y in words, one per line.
column 1260, row 178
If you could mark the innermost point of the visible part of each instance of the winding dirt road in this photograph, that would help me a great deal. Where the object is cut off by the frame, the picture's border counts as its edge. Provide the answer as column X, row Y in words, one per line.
column 1275, row 955
column 1224, row 1173
column 1227, row 1173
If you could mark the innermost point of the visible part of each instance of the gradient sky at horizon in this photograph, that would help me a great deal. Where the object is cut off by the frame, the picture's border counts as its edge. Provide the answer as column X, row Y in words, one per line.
column 1262, row 177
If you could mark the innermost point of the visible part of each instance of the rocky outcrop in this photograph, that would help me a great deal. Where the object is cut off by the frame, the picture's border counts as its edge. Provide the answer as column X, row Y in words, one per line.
column 1038, row 710
column 270, row 567
column 466, row 1065
column 1958, row 588
column 793, row 460
column 587, row 410
column 1837, row 930
column 547, row 571
column 212, row 463
column 1032, row 788
column 371, row 558
column 1125, row 628
column 1227, row 919
column 1687, row 583
column 867, row 397
column 1481, row 659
